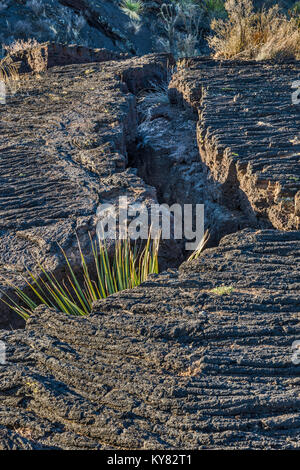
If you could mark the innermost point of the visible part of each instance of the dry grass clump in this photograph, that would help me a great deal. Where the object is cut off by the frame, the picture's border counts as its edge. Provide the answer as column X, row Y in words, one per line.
column 9, row 80
column 20, row 45
column 264, row 35
column 8, row 73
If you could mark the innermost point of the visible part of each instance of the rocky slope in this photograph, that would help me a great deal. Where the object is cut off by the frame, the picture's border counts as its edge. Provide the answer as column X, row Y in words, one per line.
column 86, row 22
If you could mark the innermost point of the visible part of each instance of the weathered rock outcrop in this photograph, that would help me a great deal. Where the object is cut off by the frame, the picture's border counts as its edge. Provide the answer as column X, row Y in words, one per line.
column 47, row 55
column 170, row 364
column 63, row 139
column 248, row 134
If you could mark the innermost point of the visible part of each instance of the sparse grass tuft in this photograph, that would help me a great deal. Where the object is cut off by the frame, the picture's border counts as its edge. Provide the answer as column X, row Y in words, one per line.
column 127, row 268
column 222, row 290
column 132, row 8
column 265, row 35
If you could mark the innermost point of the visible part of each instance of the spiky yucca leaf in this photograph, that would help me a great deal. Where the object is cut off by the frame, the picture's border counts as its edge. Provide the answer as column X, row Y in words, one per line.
column 200, row 247
column 127, row 268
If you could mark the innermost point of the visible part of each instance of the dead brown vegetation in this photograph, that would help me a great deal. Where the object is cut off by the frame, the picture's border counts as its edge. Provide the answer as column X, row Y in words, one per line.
column 264, row 35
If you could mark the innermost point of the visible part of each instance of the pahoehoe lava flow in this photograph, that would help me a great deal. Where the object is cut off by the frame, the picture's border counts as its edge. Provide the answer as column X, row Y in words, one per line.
column 198, row 356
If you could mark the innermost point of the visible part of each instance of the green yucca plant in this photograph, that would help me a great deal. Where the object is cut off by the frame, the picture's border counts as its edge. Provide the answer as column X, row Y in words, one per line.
column 127, row 268
column 132, row 8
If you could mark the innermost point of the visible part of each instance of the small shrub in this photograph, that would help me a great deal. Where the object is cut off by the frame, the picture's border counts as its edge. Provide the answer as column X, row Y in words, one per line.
column 245, row 34
column 188, row 15
column 75, row 295
column 222, row 290
column 169, row 14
